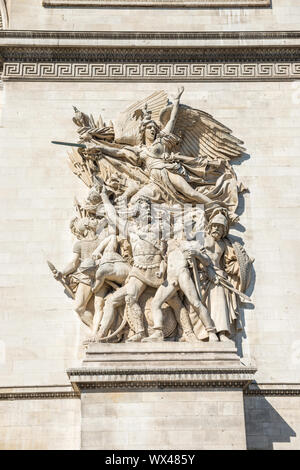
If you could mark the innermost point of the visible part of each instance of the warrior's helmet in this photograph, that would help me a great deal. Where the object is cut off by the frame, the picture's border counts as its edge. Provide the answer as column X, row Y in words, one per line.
column 221, row 219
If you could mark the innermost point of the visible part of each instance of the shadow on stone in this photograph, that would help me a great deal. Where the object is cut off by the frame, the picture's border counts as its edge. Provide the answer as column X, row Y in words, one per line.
column 244, row 306
column 264, row 425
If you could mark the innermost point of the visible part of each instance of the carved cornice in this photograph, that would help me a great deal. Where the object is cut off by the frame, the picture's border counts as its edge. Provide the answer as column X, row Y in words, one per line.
column 147, row 55
column 271, row 389
column 37, row 392
column 254, row 389
column 150, row 35
column 273, row 392
column 100, row 379
column 158, row 3
column 162, row 384
column 38, row 396
column 147, row 72
column 97, row 56
column 207, row 372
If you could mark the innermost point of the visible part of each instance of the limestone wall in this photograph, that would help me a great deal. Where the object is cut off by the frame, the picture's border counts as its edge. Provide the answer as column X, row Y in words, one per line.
column 163, row 420
column 40, row 335
column 29, row 14
column 39, row 329
column 272, row 422
column 40, row 424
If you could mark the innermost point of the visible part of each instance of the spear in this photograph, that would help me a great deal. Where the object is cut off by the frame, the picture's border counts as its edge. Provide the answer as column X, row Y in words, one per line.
column 60, row 279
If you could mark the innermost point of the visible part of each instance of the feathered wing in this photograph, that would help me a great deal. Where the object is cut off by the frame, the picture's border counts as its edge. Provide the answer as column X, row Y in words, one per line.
column 206, row 150
column 202, row 135
column 238, row 264
column 126, row 126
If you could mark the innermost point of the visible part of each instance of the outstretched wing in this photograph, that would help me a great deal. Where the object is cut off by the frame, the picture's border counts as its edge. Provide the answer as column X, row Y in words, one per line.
column 202, row 135
column 126, row 126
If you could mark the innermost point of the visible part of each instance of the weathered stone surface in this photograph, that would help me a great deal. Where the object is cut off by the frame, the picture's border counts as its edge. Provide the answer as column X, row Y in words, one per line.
column 40, row 424
column 166, row 365
column 40, row 336
column 191, row 389
column 157, row 419
column 284, row 15
column 272, row 422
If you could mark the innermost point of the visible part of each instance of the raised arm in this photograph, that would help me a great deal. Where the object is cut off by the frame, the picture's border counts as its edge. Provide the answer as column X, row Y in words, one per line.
column 168, row 129
column 69, row 268
column 107, row 150
column 110, row 239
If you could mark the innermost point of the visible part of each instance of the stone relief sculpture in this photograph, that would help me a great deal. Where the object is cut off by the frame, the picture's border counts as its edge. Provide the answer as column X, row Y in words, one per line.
column 153, row 259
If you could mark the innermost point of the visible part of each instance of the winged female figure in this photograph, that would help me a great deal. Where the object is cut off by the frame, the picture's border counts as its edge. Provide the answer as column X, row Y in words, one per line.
column 184, row 154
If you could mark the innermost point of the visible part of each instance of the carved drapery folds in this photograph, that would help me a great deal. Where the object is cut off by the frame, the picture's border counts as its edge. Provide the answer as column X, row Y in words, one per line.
column 153, row 258
column 3, row 15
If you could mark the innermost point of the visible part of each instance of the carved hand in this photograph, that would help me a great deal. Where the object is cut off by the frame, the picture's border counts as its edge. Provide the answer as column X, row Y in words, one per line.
column 191, row 253
column 212, row 275
column 179, row 93
column 91, row 148
column 57, row 274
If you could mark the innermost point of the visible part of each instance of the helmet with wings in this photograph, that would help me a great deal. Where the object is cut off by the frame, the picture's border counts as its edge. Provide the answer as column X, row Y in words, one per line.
column 189, row 141
column 127, row 126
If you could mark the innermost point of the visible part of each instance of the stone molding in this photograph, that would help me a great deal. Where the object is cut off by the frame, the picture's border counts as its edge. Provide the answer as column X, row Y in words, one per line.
column 150, row 55
column 272, row 389
column 273, row 392
column 97, row 56
column 158, row 3
column 160, row 365
column 38, row 396
column 37, row 393
column 147, row 72
column 153, row 35
column 94, row 378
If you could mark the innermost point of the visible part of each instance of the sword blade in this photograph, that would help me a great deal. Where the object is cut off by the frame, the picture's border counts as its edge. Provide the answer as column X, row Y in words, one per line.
column 233, row 289
column 69, row 144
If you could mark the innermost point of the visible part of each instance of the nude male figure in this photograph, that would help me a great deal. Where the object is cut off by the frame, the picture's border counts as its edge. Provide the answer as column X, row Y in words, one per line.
column 179, row 277
column 147, row 268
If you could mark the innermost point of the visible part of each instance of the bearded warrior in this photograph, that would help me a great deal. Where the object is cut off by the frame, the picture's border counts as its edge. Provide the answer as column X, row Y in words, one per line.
column 164, row 155
column 225, row 279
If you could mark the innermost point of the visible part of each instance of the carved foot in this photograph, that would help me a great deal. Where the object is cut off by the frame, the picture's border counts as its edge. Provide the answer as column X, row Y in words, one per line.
column 137, row 338
column 213, row 337
column 190, row 337
column 91, row 339
column 224, row 337
column 157, row 336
